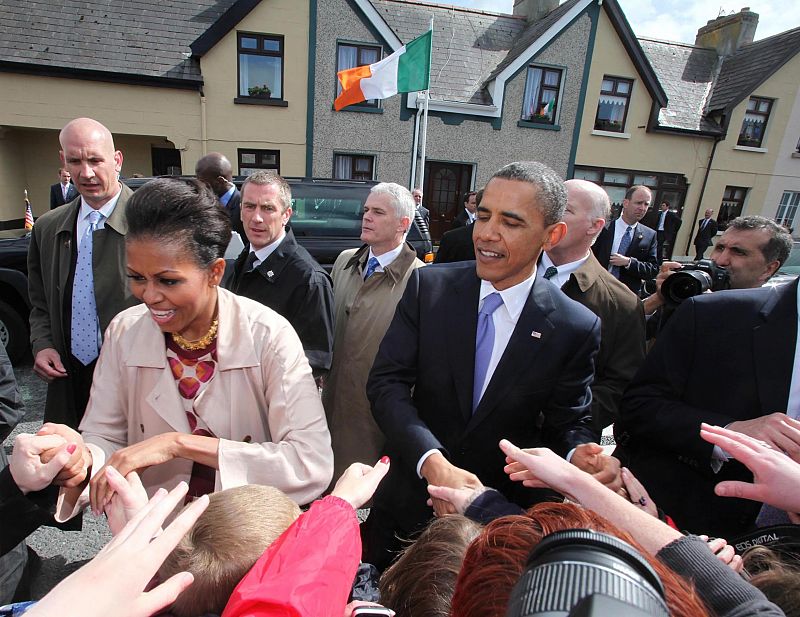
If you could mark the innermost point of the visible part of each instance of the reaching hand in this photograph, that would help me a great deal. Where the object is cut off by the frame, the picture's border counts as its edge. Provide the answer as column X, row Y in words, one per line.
column 128, row 499
column 438, row 471
column 776, row 477
column 605, row 469
column 29, row 472
column 113, row 582
column 724, row 552
column 777, row 429
column 540, row 468
column 637, row 494
column 359, row 482
column 460, row 498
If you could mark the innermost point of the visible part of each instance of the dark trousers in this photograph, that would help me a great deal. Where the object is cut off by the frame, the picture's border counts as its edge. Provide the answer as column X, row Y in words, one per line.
column 80, row 377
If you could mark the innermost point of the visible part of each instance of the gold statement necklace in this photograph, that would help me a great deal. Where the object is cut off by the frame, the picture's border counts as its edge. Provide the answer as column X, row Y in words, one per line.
column 200, row 343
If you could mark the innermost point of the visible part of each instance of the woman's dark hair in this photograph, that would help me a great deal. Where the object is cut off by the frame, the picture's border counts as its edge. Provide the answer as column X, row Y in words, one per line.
column 174, row 210
column 776, row 576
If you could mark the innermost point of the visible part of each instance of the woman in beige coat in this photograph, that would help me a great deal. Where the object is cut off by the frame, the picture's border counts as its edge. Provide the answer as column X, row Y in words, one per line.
column 196, row 383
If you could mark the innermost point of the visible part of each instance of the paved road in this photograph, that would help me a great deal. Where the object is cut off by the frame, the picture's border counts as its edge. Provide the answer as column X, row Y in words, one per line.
column 61, row 552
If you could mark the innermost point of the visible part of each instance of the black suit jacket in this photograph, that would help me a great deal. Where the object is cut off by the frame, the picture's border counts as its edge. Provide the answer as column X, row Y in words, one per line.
column 456, row 245
column 293, row 284
column 234, row 210
column 642, row 251
column 57, row 197
column 420, row 386
column 461, row 219
column 702, row 238
column 722, row 357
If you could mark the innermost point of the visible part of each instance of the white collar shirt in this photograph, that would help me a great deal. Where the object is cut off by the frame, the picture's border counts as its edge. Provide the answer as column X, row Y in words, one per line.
column 386, row 259
column 564, row 271
column 266, row 251
column 86, row 210
column 619, row 230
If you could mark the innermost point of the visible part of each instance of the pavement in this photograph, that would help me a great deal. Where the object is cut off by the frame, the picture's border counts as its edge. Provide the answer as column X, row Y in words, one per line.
column 61, row 552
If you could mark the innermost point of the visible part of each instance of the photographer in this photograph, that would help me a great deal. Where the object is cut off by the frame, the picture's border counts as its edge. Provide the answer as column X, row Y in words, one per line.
column 725, row 359
column 750, row 250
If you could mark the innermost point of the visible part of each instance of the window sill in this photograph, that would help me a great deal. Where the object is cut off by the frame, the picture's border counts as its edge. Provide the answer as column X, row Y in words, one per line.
column 361, row 109
column 796, row 155
column 538, row 125
column 749, row 149
column 611, row 134
column 246, row 100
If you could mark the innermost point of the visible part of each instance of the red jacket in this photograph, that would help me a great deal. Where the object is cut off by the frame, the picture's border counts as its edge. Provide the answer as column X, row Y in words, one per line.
column 308, row 571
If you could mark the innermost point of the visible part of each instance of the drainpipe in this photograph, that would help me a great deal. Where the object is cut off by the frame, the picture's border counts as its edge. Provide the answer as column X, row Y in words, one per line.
column 203, row 124
column 717, row 139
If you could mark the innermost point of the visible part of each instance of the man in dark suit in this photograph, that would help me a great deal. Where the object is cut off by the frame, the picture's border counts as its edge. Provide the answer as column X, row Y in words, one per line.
column 280, row 273
column 477, row 352
column 571, row 265
column 726, row 359
column 625, row 246
column 215, row 170
column 77, row 271
column 706, row 230
column 456, row 245
column 63, row 191
column 467, row 214
column 666, row 231
column 423, row 211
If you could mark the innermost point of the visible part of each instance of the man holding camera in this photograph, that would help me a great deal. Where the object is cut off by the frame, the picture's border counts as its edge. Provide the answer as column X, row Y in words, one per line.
column 726, row 359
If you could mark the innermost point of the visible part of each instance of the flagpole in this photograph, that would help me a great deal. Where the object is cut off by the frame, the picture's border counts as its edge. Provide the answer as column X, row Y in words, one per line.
column 424, row 139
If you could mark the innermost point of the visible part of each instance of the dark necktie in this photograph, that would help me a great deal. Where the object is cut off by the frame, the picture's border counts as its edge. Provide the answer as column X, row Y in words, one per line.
column 484, row 344
column 550, row 272
column 249, row 262
column 624, row 244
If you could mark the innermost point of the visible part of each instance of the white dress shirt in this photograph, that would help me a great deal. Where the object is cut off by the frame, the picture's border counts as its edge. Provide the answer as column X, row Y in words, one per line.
column 505, row 320
column 266, row 251
column 386, row 259
column 563, row 271
column 619, row 230
column 86, row 209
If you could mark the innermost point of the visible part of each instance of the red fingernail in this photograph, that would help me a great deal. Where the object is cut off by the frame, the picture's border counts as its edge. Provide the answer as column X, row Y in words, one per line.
column 384, row 460
column 72, row 447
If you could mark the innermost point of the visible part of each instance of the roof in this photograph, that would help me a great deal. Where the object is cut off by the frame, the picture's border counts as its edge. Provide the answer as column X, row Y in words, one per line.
column 750, row 66
column 686, row 73
column 467, row 44
column 135, row 39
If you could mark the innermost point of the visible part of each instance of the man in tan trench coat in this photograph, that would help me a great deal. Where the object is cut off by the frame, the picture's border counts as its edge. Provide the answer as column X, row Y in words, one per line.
column 367, row 285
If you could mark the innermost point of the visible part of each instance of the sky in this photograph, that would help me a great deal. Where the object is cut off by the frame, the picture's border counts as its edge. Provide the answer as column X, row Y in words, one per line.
column 678, row 20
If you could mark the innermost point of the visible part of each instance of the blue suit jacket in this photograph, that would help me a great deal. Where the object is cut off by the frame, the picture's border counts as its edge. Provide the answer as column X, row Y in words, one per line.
column 722, row 357
column 642, row 251
column 538, row 395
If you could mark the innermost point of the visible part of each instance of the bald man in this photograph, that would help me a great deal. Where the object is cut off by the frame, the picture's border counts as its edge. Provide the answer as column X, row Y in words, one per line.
column 215, row 170
column 571, row 265
column 77, row 270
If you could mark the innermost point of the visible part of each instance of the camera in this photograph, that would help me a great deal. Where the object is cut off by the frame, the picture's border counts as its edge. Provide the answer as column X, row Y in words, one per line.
column 692, row 279
column 580, row 572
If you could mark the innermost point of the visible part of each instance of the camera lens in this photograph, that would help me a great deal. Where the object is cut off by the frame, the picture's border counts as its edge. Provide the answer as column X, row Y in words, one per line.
column 572, row 567
column 685, row 284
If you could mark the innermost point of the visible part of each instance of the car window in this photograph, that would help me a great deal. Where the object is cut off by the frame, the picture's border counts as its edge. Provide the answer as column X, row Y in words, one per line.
column 327, row 216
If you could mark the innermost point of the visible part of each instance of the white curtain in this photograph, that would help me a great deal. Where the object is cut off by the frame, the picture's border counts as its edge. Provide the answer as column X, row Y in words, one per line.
column 531, row 97
column 347, row 56
column 343, row 166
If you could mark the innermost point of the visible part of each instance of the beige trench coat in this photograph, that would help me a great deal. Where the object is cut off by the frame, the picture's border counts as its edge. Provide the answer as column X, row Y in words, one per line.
column 263, row 403
column 363, row 310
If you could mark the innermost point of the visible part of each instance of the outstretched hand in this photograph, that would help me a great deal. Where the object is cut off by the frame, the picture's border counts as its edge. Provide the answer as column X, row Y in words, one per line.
column 589, row 457
column 776, row 477
column 540, row 468
column 115, row 580
column 128, row 499
column 359, row 482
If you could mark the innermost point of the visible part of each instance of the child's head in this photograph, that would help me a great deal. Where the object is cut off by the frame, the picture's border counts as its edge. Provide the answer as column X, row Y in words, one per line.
column 236, row 528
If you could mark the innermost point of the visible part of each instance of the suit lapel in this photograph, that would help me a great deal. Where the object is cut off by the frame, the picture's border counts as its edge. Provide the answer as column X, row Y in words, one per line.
column 774, row 344
column 461, row 308
column 521, row 352
column 633, row 248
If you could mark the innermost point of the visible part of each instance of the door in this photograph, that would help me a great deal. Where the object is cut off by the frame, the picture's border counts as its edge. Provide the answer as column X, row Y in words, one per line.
column 445, row 185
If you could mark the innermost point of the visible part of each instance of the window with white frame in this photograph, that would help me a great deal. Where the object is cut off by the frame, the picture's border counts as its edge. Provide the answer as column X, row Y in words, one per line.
column 540, row 101
column 787, row 209
column 353, row 166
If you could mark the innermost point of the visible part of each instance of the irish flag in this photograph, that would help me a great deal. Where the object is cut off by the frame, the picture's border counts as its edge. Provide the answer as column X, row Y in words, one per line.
column 406, row 70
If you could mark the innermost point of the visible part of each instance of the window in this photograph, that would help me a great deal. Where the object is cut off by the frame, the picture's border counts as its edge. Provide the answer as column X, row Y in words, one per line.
column 251, row 161
column 540, row 103
column 755, row 122
column 788, row 208
column 732, row 205
column 349, row 56
column 612, row 108
column 260, row 67
column 353, row 166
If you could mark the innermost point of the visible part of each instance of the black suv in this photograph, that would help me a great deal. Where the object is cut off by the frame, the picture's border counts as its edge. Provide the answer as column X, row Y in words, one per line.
column 14, row 304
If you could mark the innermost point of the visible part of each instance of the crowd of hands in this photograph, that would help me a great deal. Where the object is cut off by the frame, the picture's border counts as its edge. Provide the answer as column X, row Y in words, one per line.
column 119, row 576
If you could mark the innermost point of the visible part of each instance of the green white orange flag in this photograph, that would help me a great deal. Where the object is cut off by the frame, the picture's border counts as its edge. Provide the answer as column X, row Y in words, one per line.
column 406, row 70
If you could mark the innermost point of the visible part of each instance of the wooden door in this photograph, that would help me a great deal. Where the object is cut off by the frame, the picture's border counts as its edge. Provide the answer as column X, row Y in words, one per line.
column 445, row 185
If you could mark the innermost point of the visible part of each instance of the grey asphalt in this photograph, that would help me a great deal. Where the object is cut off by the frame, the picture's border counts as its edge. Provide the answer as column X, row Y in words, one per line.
column 61, row 552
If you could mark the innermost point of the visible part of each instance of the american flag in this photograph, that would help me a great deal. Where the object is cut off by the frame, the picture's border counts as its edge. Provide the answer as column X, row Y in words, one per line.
column 28, row 213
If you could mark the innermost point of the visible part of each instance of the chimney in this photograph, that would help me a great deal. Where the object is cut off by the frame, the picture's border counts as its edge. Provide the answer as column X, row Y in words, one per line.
column 534, row 10
column 728, row 33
